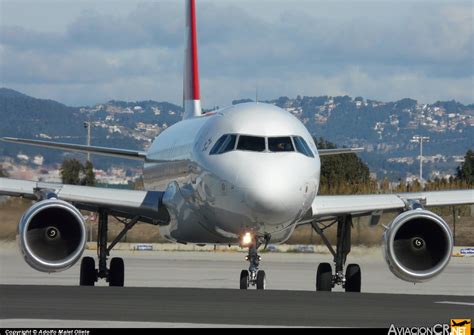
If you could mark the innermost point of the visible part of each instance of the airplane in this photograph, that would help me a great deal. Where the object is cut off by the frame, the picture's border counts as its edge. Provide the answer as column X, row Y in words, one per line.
column 245, row 175
column 460, row 324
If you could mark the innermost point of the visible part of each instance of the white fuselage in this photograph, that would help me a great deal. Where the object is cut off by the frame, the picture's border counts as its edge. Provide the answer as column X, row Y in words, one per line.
column 214, row 198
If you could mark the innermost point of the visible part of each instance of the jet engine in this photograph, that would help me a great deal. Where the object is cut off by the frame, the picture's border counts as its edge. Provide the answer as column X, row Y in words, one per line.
column 417, row 245
column 52, row 235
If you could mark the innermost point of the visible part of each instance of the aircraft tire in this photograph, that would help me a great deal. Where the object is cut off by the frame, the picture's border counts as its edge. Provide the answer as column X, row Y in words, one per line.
column 261, row 280
column 116, row 272
column 244, row 280
column 87, row 273
column 324, row 277
column 353, row 278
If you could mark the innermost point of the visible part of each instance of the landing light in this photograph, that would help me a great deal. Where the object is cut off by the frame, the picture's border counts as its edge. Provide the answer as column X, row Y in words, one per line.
column 246, row 239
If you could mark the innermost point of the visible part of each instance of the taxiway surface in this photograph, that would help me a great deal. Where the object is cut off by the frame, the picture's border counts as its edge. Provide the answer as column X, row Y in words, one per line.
column 227, row 306
column 200, row 288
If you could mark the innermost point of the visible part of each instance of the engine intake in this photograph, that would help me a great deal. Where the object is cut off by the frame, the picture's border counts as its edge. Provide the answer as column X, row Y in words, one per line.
column 418, row 245
column 52, row 235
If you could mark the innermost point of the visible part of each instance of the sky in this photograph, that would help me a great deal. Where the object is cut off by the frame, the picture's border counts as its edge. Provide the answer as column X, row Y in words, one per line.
column 87, row 52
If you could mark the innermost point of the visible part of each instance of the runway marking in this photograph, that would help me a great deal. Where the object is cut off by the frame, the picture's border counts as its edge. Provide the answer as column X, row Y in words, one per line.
column 455, row 303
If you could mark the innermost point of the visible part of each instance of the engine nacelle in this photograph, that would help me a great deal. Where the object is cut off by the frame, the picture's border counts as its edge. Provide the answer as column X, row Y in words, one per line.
column 418, row 245
column 52, row 235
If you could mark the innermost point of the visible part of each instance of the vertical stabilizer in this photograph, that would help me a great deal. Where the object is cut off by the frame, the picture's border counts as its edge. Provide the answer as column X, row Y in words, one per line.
column 191, row 98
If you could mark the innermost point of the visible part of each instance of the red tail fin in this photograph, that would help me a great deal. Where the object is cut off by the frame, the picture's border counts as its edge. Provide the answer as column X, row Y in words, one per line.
column 191, row 98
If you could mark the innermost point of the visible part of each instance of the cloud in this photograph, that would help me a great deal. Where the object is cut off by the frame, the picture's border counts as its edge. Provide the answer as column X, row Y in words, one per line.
column 417, row 49
column 149, row 25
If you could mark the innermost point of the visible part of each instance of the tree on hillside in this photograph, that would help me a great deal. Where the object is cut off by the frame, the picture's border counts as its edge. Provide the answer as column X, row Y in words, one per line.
column 2, row 172
column 74, row 173
column 465, row 171
column 89, row 175
column 343, row 173
column 70, row 171
column 138, row 184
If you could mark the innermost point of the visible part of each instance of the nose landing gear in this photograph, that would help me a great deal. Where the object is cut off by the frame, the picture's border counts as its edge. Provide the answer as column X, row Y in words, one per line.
column 253, row 276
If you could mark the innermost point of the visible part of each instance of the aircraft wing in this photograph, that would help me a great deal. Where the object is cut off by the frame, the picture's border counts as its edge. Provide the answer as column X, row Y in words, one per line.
column 114, row 152
column 147, row 205
column 331, row 152
column 327, row 206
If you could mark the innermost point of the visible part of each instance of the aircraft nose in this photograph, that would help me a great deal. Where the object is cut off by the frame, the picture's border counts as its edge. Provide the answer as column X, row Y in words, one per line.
column 274, row 199
column 266, row 200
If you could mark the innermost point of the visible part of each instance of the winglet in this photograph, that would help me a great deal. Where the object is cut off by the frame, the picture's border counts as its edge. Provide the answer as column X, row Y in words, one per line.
column 191, row 94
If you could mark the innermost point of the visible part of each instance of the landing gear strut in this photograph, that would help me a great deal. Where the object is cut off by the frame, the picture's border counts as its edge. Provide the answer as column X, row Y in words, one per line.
column 325, row 279
column 114, row 275
column 253, row 276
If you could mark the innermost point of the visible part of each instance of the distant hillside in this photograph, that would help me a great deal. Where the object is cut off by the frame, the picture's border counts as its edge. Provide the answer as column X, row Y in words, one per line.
column 22, row 116
column 8, row 93
column 383, row 128
column 28, row 117
column 386, row 128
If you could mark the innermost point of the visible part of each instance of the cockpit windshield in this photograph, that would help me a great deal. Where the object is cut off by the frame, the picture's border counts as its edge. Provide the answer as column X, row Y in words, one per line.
column 230, row 142
column 277, row 144
column 251, row 143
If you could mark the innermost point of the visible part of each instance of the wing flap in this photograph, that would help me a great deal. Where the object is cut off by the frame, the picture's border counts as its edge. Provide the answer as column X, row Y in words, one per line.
column 441, row 198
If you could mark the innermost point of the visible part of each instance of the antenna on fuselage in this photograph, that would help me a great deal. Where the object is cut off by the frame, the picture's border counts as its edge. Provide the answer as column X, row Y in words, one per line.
column 256, row 93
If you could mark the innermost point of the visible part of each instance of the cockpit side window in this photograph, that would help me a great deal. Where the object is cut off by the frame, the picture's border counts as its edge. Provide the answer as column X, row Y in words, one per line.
column 218, row 145
column 277, row 144
column 302, row 146
column 229, row 144
column 224, row 144
column 251, row 143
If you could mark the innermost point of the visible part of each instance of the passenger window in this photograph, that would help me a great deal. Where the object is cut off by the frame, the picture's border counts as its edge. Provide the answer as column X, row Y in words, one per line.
column 251, row 143
column 277, row 144
column 302, row 146
column 224, row 144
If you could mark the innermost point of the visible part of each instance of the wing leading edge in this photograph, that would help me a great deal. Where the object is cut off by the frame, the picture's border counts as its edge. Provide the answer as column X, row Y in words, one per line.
column 331, row 152
column 147, row 205
column 365, row 204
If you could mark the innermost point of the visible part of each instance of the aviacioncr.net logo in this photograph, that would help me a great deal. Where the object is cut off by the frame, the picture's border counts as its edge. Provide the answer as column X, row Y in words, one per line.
column 438, row 329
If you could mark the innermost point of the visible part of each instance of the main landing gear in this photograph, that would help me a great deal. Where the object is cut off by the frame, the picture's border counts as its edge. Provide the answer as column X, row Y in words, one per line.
column 325, row 278
column 253, row 276
column 114, row 275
